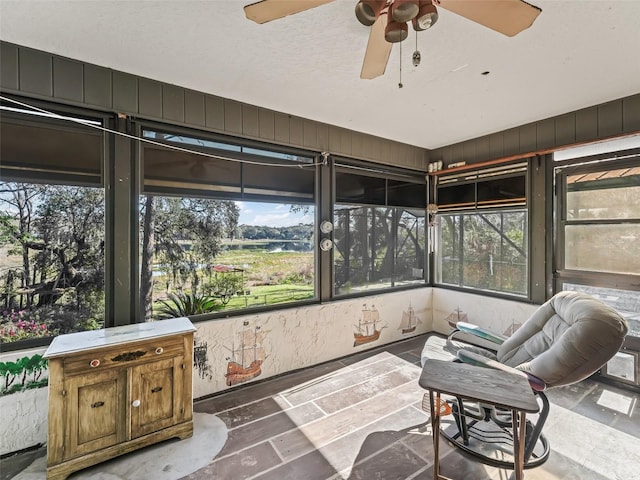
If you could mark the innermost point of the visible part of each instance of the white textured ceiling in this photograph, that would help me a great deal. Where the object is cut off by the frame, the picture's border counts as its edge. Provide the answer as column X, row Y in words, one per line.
column 578, row 53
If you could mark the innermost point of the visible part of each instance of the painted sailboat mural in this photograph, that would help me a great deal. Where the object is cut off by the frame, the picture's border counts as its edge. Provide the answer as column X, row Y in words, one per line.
column 247, row 356
column 410, row 321
column 368, row 329
column 456, row 316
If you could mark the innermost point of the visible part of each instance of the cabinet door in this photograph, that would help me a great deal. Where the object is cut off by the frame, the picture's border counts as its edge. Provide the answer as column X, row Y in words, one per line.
column 95, row 412
column 157, row 391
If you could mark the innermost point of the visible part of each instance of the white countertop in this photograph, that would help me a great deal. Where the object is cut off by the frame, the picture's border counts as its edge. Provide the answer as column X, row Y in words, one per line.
column 77, row 342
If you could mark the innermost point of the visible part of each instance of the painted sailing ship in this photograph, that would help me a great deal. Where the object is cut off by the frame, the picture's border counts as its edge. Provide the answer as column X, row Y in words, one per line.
column 246, row 357
column 410, row 320
column 456, row 316
column 368, row 329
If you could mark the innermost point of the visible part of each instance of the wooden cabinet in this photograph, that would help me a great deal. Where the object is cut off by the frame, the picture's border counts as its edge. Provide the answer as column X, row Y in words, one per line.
column 115, row 390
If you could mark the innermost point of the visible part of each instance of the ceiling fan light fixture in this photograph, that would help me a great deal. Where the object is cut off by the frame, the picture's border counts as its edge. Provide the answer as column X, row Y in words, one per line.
column 395, row 32
column 404, row 10
column 368, row 11
column 427, row 16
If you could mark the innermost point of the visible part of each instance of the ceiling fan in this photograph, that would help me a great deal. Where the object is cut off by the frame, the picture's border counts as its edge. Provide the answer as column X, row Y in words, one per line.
column 389, row 20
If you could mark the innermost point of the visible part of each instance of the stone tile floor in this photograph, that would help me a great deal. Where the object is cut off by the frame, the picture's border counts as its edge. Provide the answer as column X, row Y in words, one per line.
column 360, row 417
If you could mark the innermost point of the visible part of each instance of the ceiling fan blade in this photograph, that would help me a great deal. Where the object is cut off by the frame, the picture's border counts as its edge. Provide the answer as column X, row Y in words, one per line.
column 267, row 10
column 508, row 17
column 378, row 50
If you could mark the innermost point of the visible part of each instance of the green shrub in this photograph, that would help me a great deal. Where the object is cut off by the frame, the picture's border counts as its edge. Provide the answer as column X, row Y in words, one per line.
column 186, row 304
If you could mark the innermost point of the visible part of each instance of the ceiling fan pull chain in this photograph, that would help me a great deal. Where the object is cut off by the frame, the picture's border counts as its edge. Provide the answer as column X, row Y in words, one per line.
column 400, row 84
column 416, row 54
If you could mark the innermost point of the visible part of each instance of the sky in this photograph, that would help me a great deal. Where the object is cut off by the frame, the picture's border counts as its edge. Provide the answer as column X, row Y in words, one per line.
column 272, row 214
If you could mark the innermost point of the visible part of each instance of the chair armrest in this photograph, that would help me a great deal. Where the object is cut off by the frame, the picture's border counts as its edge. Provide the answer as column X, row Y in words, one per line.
column 481, row 332
column 478, row 360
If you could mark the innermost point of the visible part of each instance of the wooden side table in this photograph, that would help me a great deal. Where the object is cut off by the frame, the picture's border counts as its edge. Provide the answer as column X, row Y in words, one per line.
column 479, row 384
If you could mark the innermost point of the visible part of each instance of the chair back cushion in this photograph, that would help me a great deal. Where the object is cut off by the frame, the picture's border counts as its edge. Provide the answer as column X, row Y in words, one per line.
column 567, row 339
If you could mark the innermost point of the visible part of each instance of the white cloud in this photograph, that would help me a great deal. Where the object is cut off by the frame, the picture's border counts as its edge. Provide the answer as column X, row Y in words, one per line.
column 244, row 208
column 275, row 219
column 271, row 214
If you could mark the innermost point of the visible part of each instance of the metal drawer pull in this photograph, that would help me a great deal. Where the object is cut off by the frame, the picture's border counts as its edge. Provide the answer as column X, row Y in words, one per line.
column 94, row 363
column 97, row 404
column 156, row 389
column 159, row 350
column 135, row 403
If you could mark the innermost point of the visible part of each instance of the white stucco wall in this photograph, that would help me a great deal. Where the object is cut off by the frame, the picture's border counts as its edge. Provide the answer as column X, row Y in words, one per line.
column 498, row 315
column 300, row 337
column 292, row 339
column 23, row 415
column 23, row 421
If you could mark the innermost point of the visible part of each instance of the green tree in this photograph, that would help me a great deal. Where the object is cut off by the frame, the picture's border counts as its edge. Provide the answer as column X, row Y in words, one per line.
column 369, row 242
column 58, row 232
column 70, row 228
column 184, row 235
column 10, row 371
column 146, row 269
column 15, row 229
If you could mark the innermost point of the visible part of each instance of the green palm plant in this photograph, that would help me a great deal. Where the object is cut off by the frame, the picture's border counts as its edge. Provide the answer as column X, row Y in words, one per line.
column 185, row 304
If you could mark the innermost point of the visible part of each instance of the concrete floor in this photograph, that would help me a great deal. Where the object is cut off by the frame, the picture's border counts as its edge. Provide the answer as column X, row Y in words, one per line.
column 360, row 417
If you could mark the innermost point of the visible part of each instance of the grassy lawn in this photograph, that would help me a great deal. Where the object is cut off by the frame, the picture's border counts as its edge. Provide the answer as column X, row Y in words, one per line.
column 269, row 277
column 269, row 295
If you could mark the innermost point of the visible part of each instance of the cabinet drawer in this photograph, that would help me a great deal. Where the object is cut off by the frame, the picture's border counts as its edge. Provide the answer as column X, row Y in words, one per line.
column 130, row 354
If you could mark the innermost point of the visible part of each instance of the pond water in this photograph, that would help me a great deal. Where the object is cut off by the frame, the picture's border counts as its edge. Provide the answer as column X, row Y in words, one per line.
column 273, row 246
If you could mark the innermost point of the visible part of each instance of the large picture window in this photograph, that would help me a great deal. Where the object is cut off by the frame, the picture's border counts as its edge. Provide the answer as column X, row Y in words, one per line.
column 223, row 227
column 52, row 226
column 481, row 229
column 380, row 230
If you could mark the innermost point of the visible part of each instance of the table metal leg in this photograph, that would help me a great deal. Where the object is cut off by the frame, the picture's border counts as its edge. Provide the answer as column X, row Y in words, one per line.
column 519, row 428
column 435, row 433
column 434, row 405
